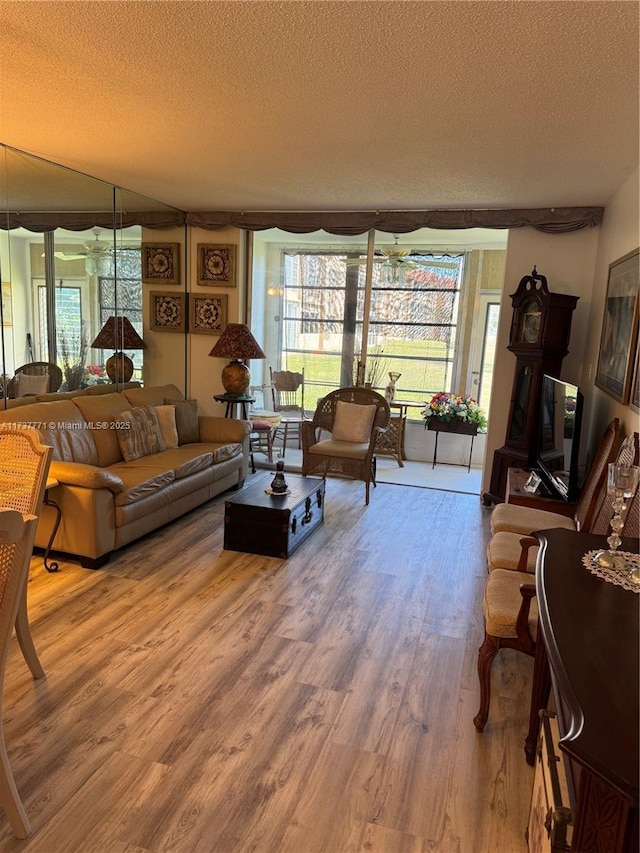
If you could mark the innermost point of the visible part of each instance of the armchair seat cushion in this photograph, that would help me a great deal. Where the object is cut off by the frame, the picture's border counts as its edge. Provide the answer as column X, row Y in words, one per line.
column 501, row 603
column 332, row 447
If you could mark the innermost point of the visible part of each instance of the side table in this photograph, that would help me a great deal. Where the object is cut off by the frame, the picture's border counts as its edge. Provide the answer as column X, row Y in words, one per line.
column 51, row 484
column 234, row 404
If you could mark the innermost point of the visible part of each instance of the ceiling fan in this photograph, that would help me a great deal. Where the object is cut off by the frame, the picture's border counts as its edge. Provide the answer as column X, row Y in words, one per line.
column 94, row 250
column 397, row 259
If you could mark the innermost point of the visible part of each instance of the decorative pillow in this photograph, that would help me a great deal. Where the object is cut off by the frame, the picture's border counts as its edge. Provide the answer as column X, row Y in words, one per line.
column 167, row 422
column 186, row 420
column 353, row 422
column 139, row 434
column 31, row 384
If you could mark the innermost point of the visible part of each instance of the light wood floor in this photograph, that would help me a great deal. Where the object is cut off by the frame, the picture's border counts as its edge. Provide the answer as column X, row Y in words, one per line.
column 204, row 700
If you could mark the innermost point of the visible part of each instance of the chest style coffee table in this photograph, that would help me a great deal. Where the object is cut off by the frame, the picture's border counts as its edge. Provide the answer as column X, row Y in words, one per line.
column 274, row 525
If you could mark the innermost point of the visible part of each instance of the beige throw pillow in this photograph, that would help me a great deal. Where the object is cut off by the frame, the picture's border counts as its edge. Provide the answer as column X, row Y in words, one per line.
column 28, row 385
column 353, row 422
column 168, row 429
column 139, row 433
column 186, row 420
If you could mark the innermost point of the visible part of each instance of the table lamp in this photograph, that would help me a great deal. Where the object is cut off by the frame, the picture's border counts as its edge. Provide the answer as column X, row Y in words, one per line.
column 118, row 333
column 238, row 344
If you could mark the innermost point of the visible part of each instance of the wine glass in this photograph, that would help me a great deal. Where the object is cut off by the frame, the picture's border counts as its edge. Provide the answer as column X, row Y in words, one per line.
column 622, row 482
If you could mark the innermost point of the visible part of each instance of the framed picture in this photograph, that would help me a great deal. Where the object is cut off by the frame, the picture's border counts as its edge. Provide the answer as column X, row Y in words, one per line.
column 167, row 312
column 619, row 328
column 217, row 264
column 207, row 314
column 7, row 310
column 634, row 400
column 161, row 263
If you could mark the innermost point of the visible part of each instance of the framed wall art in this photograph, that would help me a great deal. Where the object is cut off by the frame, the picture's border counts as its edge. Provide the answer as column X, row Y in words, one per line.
column 207, row 314
column 634, row 397
column 217, row 264
column 619, row 328
column 161, row 263
column 166, row 311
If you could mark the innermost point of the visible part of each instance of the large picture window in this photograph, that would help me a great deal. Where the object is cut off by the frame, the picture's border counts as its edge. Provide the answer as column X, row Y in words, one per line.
column 313, row 299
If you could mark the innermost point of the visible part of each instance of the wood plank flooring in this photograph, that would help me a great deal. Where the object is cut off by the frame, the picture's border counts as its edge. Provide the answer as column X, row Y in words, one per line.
column 198, row 699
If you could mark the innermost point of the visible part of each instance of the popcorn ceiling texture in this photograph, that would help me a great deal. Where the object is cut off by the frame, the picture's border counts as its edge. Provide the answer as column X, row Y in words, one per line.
column 329, row 105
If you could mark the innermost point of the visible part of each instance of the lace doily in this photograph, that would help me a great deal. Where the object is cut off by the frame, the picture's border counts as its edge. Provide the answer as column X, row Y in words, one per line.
column 619, row 578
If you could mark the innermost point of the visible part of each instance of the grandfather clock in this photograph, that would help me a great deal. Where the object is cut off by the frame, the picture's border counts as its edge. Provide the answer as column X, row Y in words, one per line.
column 539, row 339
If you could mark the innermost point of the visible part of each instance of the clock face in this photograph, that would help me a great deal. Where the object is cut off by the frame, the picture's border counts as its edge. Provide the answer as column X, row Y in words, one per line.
column 530, row 323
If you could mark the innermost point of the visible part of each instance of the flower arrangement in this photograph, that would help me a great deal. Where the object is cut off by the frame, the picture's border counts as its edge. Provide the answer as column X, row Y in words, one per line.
column 94, row 374
column 451, row 407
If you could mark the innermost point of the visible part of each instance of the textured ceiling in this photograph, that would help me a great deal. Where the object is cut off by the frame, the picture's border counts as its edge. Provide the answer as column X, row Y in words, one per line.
column 329, row 105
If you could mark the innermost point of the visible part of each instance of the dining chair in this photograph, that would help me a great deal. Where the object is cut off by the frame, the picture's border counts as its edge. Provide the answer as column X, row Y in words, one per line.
column 287, row 392
column 17, row 532
column 24, row 466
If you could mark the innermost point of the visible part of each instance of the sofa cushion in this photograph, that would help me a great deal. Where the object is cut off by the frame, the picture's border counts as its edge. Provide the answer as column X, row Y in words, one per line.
column 100, row 412
column 183, row 461
column 353, row 422
column 140, row 434
column 140, row 480
column 186, row 420
column 167, row 422
column 153, row 396
column 61, row 425
column 109, row 388
column 226, row 451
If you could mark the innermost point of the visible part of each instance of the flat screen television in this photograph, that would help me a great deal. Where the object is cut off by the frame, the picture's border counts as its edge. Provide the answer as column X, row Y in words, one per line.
column 558, row 445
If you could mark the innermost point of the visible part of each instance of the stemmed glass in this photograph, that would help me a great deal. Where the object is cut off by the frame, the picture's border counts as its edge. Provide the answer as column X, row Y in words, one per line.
column 622, row 482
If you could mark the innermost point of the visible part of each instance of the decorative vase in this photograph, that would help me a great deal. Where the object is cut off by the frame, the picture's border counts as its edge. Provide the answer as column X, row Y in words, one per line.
column 390, row 390
column 279, row 484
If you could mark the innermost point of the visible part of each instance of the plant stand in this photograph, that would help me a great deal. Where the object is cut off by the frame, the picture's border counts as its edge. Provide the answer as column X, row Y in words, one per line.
column 437, row 425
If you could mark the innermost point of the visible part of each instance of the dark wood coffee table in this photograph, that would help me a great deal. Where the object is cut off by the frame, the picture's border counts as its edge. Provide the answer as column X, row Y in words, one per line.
column 274, row 525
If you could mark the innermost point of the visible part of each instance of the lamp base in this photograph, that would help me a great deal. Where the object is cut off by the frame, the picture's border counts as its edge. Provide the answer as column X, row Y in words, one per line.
column 236, row 378
column 119, row 368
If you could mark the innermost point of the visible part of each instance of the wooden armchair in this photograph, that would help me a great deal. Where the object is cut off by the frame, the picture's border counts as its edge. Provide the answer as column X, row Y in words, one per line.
column 355, row 417
column 18, row 387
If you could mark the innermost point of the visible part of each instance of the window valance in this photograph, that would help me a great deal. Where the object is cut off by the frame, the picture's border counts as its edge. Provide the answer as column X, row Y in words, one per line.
column 553, row 220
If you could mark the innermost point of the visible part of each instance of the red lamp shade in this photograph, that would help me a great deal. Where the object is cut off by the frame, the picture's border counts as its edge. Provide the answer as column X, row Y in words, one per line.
column 118, row 333
column 238, row 344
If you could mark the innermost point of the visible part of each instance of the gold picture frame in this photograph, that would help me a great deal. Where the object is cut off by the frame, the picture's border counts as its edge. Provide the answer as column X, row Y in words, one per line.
column 166, row 311
column 619, row 328
column 160, row 263
column 217, row 264
column 208, row 313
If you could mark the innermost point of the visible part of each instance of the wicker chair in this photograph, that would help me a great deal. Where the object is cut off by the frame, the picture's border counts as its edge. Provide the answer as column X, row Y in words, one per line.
column 16, row 542
column 36, row 368
column 24, row 466
column 350, row 449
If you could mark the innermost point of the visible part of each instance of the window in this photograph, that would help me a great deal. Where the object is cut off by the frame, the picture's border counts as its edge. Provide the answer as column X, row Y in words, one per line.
column 311, row 308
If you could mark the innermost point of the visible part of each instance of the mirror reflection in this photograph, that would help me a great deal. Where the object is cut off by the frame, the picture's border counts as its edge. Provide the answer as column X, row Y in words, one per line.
column 73, row 299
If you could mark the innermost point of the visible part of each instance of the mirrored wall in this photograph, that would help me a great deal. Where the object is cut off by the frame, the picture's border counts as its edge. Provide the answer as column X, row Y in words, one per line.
column 75, row 297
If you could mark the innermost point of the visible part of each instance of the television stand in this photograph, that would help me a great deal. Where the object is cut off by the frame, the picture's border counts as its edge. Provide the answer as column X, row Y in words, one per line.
column 518, row 495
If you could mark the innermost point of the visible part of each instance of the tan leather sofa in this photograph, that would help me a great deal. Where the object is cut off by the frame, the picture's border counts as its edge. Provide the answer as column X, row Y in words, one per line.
column 107, row 502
